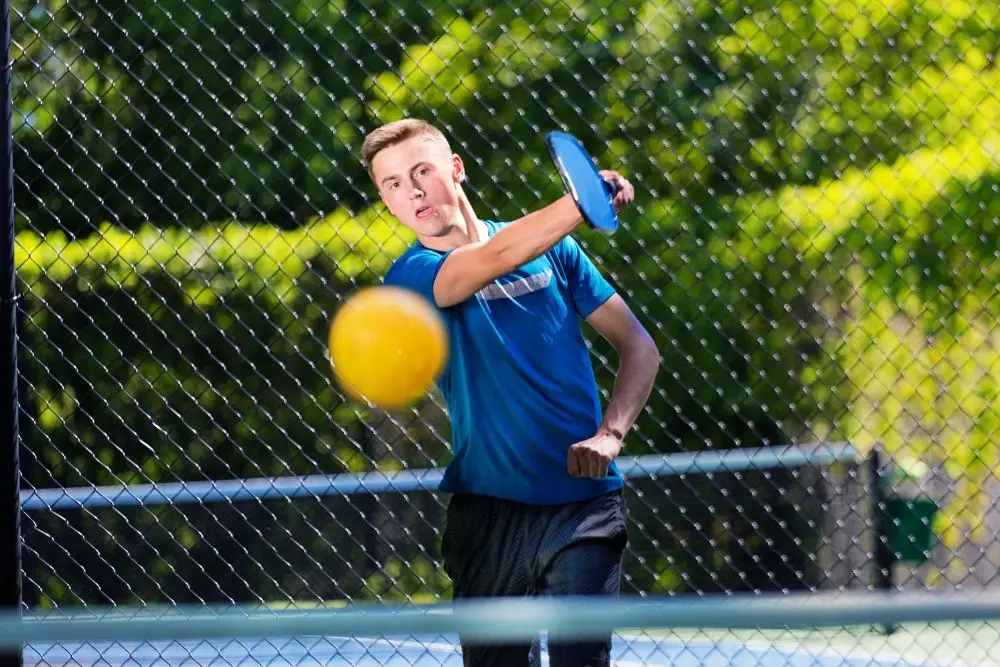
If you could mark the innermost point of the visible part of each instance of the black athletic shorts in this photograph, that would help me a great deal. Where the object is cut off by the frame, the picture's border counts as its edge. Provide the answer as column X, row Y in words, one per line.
column 493, row 547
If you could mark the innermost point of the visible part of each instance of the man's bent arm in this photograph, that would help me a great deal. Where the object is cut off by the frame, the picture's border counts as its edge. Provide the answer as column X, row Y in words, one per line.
column 638, row 363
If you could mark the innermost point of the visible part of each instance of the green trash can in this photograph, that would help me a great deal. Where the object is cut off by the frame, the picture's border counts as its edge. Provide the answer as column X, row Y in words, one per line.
column 911, row 512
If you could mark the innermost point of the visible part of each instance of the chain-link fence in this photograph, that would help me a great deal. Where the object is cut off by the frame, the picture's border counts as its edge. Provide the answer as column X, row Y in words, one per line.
column 813, row 247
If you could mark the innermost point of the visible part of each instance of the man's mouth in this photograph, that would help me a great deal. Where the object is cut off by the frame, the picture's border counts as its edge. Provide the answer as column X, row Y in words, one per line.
column 425, row 212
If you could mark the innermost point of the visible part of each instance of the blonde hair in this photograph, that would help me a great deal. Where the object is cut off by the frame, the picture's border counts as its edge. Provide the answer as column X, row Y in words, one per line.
column 394, row 133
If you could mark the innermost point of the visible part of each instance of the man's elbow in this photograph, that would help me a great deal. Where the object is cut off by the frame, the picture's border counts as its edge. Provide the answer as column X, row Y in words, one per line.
column 501, row 258
column 467, row 271
column 640, row 344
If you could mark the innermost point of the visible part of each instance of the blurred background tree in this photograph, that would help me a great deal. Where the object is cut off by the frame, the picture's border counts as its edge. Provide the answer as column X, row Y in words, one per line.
column 814, row 245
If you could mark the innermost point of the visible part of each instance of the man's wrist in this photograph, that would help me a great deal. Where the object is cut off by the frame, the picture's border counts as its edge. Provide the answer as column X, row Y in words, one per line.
column 612, row 431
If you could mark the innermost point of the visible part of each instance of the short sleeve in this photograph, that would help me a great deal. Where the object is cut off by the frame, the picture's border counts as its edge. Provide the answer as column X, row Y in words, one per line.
column 417, row 270
column 588, row 288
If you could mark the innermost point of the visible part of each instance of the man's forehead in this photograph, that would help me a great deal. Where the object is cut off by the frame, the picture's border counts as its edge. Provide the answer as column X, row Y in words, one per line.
column 411, row 152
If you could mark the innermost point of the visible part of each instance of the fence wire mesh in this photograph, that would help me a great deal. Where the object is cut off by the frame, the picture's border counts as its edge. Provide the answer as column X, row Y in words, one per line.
column 813, row 247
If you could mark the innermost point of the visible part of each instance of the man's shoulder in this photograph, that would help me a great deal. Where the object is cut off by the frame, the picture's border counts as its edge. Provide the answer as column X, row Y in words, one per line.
column 413, row 254
column 415, row 269
column 495, row 225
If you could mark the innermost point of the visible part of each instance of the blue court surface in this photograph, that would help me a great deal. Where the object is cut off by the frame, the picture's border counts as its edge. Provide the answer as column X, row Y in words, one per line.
column 629, row 651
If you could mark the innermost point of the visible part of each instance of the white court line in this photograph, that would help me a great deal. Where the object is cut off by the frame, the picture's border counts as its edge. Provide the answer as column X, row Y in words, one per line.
column 636, row 642
column 452, row 648
column 752, row 646
column 761, row 645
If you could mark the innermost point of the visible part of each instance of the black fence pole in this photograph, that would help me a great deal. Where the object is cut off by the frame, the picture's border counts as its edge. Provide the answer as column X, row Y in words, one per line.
column 884, row 557
column 10, row 477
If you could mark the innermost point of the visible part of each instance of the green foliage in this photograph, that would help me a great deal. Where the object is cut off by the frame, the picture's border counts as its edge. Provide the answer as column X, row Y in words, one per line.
column 814, row 246
column 418, row 581
column 188, row 112
column 180, row 354
column 157, row 356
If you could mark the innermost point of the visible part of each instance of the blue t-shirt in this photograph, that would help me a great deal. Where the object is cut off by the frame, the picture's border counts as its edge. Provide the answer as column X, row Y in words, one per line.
column 518, row 382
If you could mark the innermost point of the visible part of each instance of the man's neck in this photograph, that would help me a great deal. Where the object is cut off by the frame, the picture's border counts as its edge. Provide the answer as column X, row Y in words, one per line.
column 466, row 228
column 460, row 234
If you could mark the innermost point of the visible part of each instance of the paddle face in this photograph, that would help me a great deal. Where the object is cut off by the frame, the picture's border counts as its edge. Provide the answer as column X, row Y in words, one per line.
column 591, row 193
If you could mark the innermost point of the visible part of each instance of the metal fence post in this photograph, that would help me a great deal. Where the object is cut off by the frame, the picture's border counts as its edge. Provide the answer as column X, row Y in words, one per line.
column 10, row 509
column 884, row 558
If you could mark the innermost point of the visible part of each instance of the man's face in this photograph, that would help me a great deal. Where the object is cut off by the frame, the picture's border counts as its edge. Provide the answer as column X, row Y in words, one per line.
column 416, row 179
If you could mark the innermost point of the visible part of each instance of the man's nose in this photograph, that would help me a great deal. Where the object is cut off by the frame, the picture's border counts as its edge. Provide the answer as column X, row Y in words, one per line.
column 416, row 193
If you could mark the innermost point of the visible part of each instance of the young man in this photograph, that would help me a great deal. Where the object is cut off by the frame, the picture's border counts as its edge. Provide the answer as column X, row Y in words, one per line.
column 536, row 506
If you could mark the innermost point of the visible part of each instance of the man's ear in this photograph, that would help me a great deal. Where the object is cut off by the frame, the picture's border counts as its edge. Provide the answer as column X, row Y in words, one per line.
column 458, row 168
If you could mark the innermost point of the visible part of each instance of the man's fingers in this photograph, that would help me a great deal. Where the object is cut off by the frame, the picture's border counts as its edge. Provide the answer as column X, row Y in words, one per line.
column 573, row 462
column 614, row 178
column 622, row 200
column 582, row 461
column 465, row 208
column 587, row 461
column 601, row 462
column 625, row 192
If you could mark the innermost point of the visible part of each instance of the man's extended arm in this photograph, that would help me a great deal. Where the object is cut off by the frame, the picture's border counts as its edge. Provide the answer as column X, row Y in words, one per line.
column 468, row 268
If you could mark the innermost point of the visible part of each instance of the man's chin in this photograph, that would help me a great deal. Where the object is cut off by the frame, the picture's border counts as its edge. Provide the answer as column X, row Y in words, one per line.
column 434, row 228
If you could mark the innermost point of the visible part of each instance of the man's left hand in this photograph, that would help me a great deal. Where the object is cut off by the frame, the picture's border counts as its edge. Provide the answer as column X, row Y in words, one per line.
column 591, row 457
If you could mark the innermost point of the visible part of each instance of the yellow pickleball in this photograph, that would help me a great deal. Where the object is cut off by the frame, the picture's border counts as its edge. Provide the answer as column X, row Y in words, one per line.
column 387, row 346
